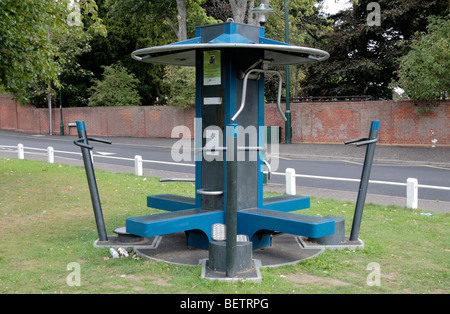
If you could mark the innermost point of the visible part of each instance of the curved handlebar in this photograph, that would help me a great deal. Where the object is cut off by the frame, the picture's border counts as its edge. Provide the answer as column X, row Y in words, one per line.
column 205, row 192
column 269, row 170
column 79, row 143
column 244, row 92
column 95, row 139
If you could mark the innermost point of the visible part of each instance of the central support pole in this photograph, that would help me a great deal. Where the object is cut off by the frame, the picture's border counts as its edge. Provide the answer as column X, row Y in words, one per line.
column 231, row 200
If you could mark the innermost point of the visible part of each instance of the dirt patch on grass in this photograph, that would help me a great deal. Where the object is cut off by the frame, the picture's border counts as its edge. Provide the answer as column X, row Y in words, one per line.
column 304, row 279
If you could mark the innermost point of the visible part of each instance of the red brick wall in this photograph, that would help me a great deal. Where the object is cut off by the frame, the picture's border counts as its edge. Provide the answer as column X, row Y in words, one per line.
column 335, row 122
column 152, row 121
column 8, row 114
column 321, row 122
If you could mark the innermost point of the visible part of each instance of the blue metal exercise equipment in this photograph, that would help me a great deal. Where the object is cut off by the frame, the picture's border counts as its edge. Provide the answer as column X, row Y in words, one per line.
column 231, row 60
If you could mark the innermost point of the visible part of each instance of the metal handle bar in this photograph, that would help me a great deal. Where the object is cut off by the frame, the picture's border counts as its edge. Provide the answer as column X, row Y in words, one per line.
column 78, row 142
column 177, row 180
column 362, row 141
column 204, row 192
column 356, row 140
column 269, row 170
column 372, row 141
column 95, row 139
column 244, row 92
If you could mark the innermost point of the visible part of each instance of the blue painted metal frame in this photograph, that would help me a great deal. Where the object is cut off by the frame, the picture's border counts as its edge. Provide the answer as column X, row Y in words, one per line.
column 257, row 223
column 172, row 222
column 286, row 203
column 171, row 202
column 185, row 214
column 253, row 220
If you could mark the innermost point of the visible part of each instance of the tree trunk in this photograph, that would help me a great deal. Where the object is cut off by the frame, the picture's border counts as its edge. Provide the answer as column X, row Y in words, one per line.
column 239, row 9
column 250, row 19
column 181, row 30
column 181, row 17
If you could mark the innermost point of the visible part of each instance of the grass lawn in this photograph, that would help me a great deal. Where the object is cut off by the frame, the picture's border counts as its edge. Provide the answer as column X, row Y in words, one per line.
column 47, row 222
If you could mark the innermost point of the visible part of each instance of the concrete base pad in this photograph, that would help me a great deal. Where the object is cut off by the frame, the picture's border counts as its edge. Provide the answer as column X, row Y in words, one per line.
column 252, row 274
column 114, row 241
column 171, row 248
column 346, row 244
column 285, row 249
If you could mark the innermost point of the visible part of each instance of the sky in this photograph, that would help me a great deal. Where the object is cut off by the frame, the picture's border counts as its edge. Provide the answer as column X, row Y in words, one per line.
column 334, row 6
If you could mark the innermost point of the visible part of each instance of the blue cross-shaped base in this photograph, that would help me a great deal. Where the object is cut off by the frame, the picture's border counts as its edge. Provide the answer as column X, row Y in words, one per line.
column 257, row 223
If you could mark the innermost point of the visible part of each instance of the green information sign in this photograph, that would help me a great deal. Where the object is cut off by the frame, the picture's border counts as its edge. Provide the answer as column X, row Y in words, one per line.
column 211, row 68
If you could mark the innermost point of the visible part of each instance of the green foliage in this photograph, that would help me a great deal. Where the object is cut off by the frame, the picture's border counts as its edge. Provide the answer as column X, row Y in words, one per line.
column 363, row 57
column 424, row 73
column 182, row 86
column 146, row 24
column 117, row 88
column 71, row 43
column 26, row 50
column 307, row 27
column 141, row 27
column 28, row 53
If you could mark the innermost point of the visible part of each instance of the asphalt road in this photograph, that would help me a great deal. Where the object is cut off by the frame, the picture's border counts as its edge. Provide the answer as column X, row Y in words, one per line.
column 329, row 164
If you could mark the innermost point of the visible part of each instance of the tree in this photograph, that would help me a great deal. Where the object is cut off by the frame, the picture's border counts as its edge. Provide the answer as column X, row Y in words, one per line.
column 27, row 50
column 306, row 27
column 187, row 13
column 117, row 88
column 126, row 33
column 218, row 9
column 239, row 10
column 182, row 86
column 363, row 56
column 146, row 24
column 71, row 42
column 424, row 73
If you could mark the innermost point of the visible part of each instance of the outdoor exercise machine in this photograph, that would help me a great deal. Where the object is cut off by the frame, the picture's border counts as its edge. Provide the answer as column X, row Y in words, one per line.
column 229, row 215
column 370, row 142
column 83, row 142
column 230, row 60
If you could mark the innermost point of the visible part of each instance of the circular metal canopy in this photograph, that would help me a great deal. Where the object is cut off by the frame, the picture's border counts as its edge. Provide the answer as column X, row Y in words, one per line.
column 184, row 54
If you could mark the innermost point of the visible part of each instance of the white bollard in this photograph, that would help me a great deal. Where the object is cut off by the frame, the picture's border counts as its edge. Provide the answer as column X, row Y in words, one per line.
column 50, row 155
column 138, row 165
column 20, row 151
column 412, row 193
column 290, row 182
